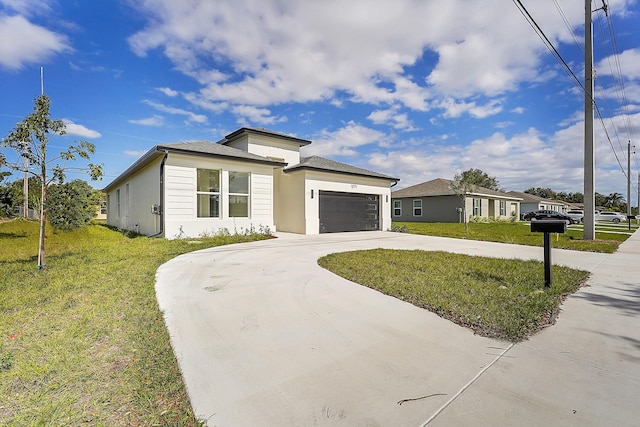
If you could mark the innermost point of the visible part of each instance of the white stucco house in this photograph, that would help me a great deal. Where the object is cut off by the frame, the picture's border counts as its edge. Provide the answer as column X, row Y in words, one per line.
column 253, row 178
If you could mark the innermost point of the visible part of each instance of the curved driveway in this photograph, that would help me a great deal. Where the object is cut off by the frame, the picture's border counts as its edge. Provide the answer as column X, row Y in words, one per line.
column 265, row 337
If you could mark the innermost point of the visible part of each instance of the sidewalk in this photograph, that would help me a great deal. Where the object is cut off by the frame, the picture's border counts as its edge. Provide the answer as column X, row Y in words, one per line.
column 583, row 371
column 266, row 337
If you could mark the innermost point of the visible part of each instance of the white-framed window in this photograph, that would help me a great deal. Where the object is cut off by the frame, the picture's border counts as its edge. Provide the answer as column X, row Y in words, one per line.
column 239, row 194
column 417, row 207
column 118, row 203
column 477, row 207
column 397, row 208
column 503, row 208
column 208, row 193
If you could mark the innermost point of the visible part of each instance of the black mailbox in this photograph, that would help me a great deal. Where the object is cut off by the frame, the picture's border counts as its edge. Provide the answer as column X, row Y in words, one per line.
column 548, row 226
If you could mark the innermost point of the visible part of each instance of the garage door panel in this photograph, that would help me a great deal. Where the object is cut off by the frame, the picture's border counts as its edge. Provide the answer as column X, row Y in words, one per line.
column 348, row 212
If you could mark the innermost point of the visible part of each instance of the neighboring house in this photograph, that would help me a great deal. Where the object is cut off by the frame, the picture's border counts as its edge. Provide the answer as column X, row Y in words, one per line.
column 434, row 201
column 532, row 203
column 252, row 179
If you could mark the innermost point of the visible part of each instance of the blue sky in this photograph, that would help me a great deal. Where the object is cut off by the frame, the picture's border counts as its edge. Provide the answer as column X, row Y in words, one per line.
column 411, row 88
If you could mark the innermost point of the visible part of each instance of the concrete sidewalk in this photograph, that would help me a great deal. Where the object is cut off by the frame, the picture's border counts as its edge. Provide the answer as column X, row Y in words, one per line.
column 265, row 337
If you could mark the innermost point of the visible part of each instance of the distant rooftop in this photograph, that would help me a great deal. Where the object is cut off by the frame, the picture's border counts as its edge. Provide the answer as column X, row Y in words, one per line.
column 322, row 164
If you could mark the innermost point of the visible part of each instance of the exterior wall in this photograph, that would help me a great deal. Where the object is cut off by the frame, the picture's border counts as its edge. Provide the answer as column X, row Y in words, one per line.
column 270, row 147
column 137, row 195
column 434, row 209
column 289, row 200
column 180, row 197
column 445, row 209
column 324, row 181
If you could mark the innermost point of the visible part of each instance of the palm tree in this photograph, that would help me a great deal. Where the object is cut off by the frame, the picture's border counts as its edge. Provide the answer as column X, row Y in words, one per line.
column 614, row 200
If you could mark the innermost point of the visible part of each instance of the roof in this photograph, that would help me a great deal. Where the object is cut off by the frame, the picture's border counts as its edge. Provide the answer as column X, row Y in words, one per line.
column 325, row 165
column 442, row 187
column 264, row 132
column 532, row 198
column 197, row 148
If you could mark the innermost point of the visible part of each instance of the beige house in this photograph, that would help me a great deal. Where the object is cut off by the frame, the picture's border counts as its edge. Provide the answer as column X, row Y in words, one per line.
column 434, row 201
column 532, row 203
column 252, row 179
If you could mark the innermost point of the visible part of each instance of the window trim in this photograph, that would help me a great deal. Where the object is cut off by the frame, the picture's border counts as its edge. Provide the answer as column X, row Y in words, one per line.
column 503, row 208
column 477, row 208
column 247, row 194
column 210, row 193
column 415, row 208
column 398, row 207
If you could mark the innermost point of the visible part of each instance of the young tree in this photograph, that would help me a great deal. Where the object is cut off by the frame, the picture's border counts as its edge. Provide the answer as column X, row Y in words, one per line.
column 72, row 205
column 480, row 179
column 463, row 185
column 29, row 139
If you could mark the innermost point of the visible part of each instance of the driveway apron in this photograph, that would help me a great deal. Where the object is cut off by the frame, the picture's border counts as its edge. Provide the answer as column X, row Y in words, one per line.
column 266, row 337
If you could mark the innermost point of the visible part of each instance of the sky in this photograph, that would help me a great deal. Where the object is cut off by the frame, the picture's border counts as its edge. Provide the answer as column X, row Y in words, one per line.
column 415, row 89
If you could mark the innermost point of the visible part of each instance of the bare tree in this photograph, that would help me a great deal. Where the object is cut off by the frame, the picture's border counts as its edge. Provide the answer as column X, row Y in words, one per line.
column 29, row 139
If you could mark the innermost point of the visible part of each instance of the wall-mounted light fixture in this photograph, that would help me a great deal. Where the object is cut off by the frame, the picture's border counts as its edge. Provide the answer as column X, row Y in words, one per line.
column 312, row 193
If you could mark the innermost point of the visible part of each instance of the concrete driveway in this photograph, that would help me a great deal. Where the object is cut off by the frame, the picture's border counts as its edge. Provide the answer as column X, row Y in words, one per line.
column 265, row 337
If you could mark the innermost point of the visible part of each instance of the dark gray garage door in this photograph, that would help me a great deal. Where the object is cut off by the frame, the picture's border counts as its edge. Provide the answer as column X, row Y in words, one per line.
column 348, row 212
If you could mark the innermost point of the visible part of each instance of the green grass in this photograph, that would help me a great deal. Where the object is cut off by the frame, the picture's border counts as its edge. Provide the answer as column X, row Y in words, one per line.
column 496, row 298
column 519, row 233
column 83, row 342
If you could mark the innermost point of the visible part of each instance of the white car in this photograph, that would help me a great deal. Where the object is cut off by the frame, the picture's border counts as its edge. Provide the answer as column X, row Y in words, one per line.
column 611, row 216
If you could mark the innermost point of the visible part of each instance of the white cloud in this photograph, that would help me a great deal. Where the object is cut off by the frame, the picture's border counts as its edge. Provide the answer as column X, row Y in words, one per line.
column 191, row 117
column 167, row 91
column 24, row 42
column 80, row 130
column 344, row 141
column 392, row 117
column 249, row 114
column 629, row 61
column 154, row 120
column 134, row 153
column 296, row 51
column 455, row 108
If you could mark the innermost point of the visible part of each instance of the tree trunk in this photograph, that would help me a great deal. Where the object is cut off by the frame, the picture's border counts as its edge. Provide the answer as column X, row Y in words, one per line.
column 43, row 223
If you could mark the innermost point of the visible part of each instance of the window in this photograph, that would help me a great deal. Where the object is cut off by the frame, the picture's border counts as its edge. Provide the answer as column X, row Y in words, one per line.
column 503, row 208
column 397, row 208
column 417, row 207
column 239, row 194
column 477, row 207
column 208, row 193
column 118, row 203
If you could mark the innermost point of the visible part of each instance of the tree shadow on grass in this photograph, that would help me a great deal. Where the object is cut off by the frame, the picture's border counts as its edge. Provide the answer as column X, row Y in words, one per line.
column 12, row 235
column 627, row 300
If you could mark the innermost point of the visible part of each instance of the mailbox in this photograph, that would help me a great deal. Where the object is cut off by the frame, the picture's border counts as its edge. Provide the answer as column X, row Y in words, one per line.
column 548, row 226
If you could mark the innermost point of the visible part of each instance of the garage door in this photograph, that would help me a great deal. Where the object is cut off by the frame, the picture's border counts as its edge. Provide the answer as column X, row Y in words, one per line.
column 348, row 212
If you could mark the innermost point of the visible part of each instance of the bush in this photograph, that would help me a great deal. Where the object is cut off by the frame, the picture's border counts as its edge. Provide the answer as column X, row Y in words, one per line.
column 71, row 205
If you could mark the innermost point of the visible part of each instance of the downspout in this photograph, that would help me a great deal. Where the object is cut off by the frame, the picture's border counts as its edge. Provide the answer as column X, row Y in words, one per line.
column 161, row 207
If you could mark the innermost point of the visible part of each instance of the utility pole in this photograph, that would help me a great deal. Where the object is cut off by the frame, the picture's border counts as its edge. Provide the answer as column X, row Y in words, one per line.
column 589, row 163
column 629, row 184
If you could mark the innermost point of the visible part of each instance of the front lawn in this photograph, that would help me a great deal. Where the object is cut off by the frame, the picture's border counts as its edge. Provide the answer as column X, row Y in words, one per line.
column 83, row 341
column 496, row 298
column 519, row 233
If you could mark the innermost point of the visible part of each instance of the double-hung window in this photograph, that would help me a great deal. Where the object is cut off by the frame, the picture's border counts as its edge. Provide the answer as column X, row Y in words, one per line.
column 208, row 193
column 477, row 207
column 417, row 207
column 503, row 208
column 239, row 194
column 397, row 208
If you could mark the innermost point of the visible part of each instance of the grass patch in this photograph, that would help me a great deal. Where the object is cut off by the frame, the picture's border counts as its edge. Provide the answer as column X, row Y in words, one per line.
column 516, row 233
column 83, row 342
column 494, row 297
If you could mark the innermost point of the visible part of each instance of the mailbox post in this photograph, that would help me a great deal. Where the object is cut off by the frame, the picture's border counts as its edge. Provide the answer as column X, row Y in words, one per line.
column 547, row 227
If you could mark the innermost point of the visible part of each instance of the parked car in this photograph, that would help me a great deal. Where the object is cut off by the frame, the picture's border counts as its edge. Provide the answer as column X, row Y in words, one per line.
column 576, row 214
column 611, row 216
column 545, row 214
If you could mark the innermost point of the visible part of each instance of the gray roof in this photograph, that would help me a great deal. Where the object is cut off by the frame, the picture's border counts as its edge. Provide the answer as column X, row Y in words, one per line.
column 531, row 198
column 442, row 187
column 327, row 165
column 266, row 132
column 197, row 148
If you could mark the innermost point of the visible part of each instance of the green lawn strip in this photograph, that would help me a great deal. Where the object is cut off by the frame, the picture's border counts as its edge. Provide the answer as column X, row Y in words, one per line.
column 497, row 298
column 515, row 233
column 83, row 341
